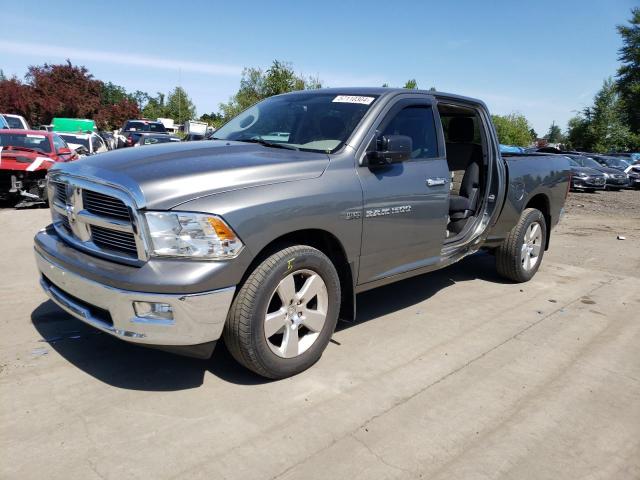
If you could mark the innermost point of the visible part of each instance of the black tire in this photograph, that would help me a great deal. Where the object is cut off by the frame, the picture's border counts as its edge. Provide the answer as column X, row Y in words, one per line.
column 509, row 255
column 244, row 333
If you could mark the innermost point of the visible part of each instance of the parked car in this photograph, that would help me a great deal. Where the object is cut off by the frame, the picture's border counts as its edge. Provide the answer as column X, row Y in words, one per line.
column 612, row 162
column 615, row 179
column 585, row 178
column 633, row 172
column 267, row 243
column 154, row 138
column 85, row 143
column 15, row 121
column 132, row 129
column 25, row 158
column 632, row 157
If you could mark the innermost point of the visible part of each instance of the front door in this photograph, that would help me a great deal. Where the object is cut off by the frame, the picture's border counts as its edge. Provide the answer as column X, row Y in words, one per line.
column 405, row 204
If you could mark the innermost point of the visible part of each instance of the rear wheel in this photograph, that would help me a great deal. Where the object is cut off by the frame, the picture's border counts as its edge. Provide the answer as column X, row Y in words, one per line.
column 520, row 255
column 284, row 314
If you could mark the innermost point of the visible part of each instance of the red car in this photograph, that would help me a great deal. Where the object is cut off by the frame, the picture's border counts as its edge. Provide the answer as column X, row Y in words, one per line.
column 25, row 158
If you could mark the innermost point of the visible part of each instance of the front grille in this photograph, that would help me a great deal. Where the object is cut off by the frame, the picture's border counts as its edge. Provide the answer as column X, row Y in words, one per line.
column 66, row 224
column 61, row 193
column 99, row 219
column 105, row 205
column 114, row 240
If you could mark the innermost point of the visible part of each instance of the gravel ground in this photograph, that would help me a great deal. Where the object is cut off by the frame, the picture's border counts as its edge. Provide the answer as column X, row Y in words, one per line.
column 623, row 203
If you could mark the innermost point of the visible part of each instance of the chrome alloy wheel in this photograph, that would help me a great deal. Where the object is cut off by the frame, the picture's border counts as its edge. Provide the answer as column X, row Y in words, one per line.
column 296, row 313
column 531, row 246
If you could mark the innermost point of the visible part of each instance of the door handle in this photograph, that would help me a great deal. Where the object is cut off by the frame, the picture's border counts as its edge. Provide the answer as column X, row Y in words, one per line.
column 432, row 182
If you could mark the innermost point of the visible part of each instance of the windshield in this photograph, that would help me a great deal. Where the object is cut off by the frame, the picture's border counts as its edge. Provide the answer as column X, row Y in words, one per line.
column 318, row 122
column 24, row 140
column 72, row 139
column 590, row 162
column 144, row 127
column 14, row 122
column 573, row 163
column 158, row 139
column 615, row 162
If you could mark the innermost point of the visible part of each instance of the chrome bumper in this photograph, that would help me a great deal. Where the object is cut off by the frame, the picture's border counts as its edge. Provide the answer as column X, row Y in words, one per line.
column 197, row 318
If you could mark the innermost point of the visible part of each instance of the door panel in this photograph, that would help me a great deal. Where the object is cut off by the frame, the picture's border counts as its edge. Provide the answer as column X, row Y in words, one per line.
column 405, row 204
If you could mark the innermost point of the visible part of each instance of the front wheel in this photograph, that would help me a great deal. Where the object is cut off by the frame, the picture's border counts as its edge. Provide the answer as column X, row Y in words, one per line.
column 520, row 255
column 285, row 312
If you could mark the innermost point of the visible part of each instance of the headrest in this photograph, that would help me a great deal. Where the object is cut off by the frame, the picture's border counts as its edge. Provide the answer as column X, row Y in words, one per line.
column 461, row 129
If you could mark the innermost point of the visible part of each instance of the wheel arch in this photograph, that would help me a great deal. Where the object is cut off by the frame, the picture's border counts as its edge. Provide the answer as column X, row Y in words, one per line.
column 328, row 244
column 542, row 203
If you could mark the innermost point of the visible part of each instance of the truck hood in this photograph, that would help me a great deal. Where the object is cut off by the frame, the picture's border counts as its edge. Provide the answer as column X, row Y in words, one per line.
column 164, row 176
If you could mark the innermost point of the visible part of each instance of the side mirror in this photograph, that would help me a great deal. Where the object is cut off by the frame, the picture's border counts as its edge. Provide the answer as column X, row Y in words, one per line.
column 82, row 150
column 390, row 149
column 64, row 151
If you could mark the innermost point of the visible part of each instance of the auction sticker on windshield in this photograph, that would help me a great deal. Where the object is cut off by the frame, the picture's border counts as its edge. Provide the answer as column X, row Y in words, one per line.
column 353, row 99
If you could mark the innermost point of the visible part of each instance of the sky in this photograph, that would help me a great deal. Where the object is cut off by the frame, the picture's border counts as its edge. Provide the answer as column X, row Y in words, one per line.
column 544, row 59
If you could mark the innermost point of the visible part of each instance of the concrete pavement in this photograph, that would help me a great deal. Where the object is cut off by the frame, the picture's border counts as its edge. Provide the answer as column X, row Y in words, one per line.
column 455, row 374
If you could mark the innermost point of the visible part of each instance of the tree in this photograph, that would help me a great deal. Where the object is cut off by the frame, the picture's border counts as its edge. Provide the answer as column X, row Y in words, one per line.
column 179, row 106
column 576, row 138
column 62, row 91
column 411, row 84
column 3, row 77
column 554, row 135
column 628, row 76
column 513, row 129
column 15, row 97
column 213, row 119
column 154, row 106
column 533, row 134
column 602, row 127
column 256, row 85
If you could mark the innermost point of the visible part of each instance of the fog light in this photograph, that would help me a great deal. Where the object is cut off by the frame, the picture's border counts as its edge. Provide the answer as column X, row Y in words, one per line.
column 153, row 310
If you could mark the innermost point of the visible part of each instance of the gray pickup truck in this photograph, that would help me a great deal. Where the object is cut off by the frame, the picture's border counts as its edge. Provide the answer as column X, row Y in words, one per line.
column 264, row 235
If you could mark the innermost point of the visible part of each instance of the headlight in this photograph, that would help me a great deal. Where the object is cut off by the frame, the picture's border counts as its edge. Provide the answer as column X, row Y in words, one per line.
column 195, row 235
column 606, row 175
column 582, row 175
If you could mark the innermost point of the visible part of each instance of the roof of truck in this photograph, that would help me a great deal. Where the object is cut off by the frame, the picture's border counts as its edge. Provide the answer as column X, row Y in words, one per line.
column 387, row 91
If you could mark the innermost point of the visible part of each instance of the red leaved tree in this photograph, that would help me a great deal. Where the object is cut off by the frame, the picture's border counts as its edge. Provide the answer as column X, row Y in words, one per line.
column 62, row 91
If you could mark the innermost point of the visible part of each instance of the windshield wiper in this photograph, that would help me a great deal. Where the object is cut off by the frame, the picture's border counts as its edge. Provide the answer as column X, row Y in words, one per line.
column 267, row 143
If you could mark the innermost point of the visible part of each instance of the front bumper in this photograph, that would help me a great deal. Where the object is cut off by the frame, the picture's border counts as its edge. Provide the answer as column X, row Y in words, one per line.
column 197, row 318
column 617, row 182
column 597, row 183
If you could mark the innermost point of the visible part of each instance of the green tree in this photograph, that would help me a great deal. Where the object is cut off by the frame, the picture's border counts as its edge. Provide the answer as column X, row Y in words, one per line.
column 628, row 76
column 554, row 135
column 577, row 128
column 533, row 134
column 3, row 77
column 179, row 106
column 411, row 84
column 513, row 129
column 154, row 107
column 602, row 127
column 256, row 85
column 213, row 119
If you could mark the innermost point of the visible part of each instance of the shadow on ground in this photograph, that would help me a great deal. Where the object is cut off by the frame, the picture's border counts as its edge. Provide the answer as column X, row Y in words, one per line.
column 128, row 366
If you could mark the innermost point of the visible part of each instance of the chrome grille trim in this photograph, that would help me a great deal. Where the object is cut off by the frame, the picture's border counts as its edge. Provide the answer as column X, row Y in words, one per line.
column 98, row 218
column 105, row 205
